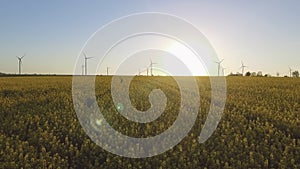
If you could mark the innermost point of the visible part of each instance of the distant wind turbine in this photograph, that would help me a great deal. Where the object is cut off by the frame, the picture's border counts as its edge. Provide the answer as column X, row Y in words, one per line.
column 85, row 62
column 290, row 69
column 82, row 69
column 151, row 66
column 219, row 66
column 223, row 68
column 243, row 68
column 147, row 71
column 20, row 63
column 107, row 69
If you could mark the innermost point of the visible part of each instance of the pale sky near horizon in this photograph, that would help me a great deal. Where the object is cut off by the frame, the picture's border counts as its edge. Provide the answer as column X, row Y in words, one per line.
column 264, row 34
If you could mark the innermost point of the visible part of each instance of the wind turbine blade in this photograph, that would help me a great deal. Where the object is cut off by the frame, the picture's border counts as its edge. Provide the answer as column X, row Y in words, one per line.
column 242, row 64
column 221, row 60
column 150, row 61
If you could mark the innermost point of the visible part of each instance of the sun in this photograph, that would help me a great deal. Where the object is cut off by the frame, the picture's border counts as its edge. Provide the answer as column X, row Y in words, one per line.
column 188, row 57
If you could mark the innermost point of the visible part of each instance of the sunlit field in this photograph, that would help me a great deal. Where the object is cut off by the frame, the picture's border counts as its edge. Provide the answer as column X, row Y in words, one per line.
column 260, row 126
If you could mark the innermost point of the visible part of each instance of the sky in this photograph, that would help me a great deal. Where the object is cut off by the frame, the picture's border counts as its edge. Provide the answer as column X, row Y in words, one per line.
column 264, row 34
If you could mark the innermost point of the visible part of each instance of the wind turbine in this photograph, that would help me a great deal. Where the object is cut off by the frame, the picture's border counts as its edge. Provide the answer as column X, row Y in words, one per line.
column 219, row 66
column 151, row 66
column 290, row 71
column 147, row 71
column 243, row 68
column 107, row 68
column 223, row 68
column 20, row 63
column 85, row 62
column 82, row 69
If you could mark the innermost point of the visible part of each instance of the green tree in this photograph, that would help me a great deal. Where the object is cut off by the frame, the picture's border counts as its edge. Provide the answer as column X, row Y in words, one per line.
column 296, row 73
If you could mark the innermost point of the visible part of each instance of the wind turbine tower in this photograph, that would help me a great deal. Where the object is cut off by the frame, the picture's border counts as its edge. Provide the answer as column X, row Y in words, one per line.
column 20, row 63
column 223, row 70
column 107, row 69
column 82, row 69
column 147, row 71
column 219, row 66
column 243, row 68
column 85, row 62
column 290, row 71
column 151, row 67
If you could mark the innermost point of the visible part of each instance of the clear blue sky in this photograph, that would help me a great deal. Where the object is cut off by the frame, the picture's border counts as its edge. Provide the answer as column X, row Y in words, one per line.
column 264, row 34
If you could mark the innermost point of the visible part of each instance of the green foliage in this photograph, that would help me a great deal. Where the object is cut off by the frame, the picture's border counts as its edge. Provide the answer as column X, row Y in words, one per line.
column 296, row 73
column 259, row 127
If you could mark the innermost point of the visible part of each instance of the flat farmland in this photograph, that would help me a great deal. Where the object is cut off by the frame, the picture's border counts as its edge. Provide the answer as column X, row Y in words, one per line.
column 259, row 128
